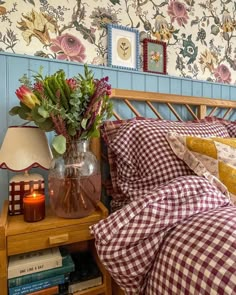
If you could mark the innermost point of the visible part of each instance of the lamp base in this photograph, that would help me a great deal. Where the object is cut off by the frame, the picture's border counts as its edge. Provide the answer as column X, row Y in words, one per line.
column 21, row 185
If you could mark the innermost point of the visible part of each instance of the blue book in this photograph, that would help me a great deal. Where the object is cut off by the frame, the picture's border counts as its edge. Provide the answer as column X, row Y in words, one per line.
column 39, row 285
column 67, row 267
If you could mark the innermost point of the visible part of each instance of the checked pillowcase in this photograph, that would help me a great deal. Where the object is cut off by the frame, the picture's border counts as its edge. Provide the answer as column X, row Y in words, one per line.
column 144, row 158
column 229, row 125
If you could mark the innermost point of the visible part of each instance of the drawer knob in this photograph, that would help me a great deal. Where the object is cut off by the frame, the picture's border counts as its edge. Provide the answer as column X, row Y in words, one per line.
column 58, row 239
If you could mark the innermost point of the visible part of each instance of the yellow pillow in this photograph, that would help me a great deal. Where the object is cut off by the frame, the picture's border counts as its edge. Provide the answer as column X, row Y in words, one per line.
column 213, row 158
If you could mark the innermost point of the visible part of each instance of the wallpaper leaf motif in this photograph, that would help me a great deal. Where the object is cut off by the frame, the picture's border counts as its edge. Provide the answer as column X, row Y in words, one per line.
column 115, row 1
column 30, row 1
column 200, row 36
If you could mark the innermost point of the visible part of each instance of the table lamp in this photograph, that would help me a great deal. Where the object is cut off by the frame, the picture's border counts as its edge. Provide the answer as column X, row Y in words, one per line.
column 23, row 148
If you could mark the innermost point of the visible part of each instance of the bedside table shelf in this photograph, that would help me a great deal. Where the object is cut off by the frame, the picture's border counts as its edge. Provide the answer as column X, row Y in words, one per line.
column 18, row 236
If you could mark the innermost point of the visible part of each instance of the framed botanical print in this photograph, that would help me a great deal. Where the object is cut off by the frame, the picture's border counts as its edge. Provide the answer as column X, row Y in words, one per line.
column 154, row 56
column 123, row 47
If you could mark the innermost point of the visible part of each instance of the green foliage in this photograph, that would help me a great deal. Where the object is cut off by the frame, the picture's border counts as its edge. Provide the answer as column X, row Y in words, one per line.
column 59, row 145
column 72, row 108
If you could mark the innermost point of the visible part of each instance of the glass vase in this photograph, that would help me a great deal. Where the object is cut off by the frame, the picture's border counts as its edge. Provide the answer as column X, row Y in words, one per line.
column 74, row 181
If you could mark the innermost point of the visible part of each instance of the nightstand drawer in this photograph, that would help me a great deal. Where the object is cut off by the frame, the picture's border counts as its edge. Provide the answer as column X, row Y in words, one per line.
column 47, row 238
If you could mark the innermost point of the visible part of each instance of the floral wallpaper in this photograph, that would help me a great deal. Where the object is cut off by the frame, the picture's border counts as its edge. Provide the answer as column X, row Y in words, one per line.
column 200, row 35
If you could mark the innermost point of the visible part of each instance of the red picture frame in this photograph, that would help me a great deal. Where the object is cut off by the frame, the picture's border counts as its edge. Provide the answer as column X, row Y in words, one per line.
column 154, row 56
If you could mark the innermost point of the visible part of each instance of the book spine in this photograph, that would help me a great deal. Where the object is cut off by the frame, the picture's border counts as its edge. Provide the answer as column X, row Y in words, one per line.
column 67, row 267
column 47, row 291
column 39, row 285
column 79, row 286
column 36, row 266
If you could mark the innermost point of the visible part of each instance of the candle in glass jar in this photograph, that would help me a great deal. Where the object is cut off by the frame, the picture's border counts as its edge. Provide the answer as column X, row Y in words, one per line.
column 34, row 207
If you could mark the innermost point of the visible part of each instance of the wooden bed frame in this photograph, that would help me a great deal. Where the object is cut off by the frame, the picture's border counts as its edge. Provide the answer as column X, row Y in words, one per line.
column 196, row 107
column 169, row 100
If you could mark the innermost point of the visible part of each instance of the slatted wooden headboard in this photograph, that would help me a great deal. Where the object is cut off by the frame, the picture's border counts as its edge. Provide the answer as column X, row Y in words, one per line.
column 201, row 103
column 192, row 107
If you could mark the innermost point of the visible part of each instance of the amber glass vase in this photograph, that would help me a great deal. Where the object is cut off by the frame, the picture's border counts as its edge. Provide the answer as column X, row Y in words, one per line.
column 74, row 181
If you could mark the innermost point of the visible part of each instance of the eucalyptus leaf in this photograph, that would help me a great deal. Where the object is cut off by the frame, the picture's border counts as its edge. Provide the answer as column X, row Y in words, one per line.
column 14, row 111
column 44, row 113
column 24, row 114
column 37, row 117
column 72, row 130
column 84, row 123
column 47, row 125
column 59, row 144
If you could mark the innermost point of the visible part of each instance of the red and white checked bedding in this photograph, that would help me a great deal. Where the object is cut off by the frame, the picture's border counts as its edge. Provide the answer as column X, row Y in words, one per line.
column 179, row 238
column 141, row 158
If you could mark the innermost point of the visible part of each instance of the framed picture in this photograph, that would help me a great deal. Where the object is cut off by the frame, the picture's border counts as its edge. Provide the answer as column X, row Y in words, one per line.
column 123, row 47
column 154, row 56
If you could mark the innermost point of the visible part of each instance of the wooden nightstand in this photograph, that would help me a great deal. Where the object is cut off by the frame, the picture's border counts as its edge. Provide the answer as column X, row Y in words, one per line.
column 17, row 236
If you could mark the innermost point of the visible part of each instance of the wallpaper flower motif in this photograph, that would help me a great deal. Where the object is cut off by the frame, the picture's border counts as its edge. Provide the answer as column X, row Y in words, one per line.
column 200, row 35
column 222, row 74
column 177, row 12
column 38, row 25
column 68, row 47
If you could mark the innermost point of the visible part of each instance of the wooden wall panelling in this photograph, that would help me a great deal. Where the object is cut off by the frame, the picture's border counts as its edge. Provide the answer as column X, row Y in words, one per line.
column 138, row 81
column 4, row 85
column 232, row 92
column 197, row 89
column 98, row 73
column 164, row 87
column 151, row 83
column 112, row 76
column 207, row 90
column 16, row 67
column 13, row 66
column 176, row 88
column 186, row 87
column 216, row 91
column 3, row 94
column 74, row 69
column 34, row 65
column 225, row 92
column 124, row 80
column 164, row 84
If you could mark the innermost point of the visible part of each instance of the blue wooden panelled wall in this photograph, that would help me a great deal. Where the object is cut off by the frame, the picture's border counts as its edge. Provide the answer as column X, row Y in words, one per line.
column 13, row 66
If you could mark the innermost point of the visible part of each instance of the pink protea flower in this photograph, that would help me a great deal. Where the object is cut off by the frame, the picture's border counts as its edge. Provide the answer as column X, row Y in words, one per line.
column 27, row 97
column 222, row 74
column 68, row 47
column 177, row 11
column 72, row 83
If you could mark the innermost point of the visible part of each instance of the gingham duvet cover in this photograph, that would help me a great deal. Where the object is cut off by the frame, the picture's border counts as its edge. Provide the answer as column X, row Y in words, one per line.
column 177, row 239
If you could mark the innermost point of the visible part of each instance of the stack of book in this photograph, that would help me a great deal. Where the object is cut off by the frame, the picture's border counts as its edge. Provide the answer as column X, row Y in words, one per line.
column 39, row 272
column 86, row 274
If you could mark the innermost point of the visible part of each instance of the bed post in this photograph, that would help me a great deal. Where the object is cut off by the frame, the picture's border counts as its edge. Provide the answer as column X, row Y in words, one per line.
column 202, row 111
column 95, row 146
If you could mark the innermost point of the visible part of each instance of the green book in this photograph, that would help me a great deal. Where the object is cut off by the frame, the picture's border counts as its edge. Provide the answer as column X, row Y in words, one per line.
column 67, row 267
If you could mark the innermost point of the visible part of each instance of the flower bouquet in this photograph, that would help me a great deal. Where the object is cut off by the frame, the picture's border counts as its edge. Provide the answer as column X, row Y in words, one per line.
column 73, row 108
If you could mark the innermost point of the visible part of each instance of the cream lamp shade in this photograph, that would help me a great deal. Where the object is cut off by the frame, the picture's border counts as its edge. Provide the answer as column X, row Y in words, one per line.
column 23, row 148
